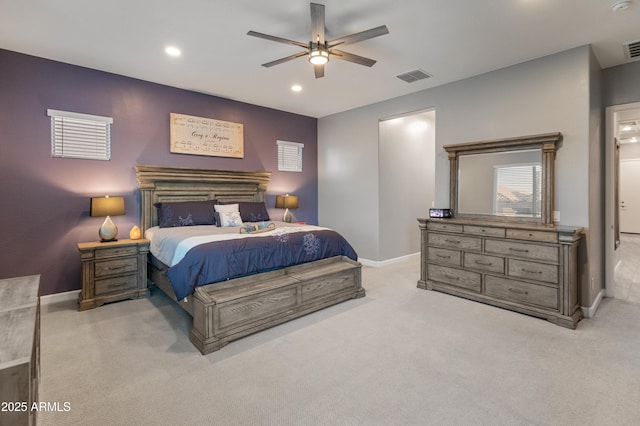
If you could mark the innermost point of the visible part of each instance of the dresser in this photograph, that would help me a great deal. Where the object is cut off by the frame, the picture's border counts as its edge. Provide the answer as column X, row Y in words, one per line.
column 19, row 349
column 113, row 271
column 531, row 269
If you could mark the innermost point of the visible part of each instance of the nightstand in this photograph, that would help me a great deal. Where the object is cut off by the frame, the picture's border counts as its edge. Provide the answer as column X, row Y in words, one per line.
column 112, row 271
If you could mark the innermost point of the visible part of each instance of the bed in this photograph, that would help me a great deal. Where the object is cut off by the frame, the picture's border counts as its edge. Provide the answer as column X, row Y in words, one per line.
column 230, row 308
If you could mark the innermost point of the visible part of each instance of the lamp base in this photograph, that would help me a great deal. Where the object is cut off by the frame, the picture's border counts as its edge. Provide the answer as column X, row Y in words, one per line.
column 287, row 216
column 108, row 231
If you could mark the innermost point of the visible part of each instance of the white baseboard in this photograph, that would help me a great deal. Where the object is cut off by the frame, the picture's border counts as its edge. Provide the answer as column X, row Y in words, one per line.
column 380, row 264
column 590, row 311
column 59, row 297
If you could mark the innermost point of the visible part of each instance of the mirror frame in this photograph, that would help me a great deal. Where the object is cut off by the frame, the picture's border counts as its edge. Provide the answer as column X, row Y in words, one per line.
column 547, row 142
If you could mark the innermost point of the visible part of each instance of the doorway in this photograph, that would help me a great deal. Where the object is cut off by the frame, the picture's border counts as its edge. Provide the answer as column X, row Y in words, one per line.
column 622, row 237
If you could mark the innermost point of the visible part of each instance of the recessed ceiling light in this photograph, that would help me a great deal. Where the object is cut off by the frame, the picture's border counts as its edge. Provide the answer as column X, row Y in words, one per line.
column 296, row 88
column 620, row 5
column 172, row 51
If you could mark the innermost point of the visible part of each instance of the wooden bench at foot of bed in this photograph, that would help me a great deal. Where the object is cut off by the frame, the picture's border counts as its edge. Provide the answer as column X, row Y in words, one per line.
column 257, row 302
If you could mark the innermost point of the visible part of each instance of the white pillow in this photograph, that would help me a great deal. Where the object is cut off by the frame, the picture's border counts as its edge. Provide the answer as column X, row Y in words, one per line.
column 230, row 219
column 220, row 208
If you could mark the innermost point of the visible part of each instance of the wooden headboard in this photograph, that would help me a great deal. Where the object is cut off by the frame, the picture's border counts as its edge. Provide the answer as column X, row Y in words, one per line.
column 163, row 183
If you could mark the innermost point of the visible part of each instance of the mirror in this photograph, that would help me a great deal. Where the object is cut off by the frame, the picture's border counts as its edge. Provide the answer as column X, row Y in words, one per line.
column 507, row 179
column 501, row 184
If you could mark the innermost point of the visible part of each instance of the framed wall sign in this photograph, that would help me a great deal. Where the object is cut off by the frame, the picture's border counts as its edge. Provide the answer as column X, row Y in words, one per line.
column 206, row 136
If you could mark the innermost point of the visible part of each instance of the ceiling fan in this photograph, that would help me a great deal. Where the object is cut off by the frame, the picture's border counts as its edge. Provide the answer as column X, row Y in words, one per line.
column 320, row 50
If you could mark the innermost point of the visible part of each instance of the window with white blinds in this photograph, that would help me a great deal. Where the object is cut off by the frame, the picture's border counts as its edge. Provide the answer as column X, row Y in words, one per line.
column 75, row 135
column 518, row 190
column 290, row 156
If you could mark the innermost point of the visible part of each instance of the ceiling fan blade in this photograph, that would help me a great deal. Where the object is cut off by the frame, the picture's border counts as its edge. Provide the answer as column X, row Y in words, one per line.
column 282, row 60
column 318, row 70
column 361, row 36
column 317, row 23
column 346, row 56
column 278, row 39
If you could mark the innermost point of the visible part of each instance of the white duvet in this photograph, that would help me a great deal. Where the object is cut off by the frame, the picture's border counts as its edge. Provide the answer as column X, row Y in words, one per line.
column 170, row 245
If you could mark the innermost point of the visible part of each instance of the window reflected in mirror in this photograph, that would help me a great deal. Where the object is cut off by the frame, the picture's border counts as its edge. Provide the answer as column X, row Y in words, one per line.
column 507, row 184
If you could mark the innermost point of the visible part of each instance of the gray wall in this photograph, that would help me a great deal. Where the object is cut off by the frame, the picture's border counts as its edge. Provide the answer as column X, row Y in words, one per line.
column 406, row 181
column 549, row 94
column 621, row 84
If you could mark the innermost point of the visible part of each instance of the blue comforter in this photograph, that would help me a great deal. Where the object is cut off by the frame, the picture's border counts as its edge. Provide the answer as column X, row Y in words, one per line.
column 222, row 260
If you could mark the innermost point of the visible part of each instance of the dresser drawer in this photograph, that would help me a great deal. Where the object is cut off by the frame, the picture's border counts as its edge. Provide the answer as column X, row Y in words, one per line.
column 484, row 263
column 445, row 256
column 527, row 250
column 484, row 231
column 521, row 292
column 115, row 266
column 455, row 241
column 524, row 234
column 116, row 285
column 533, row 271
column 456, row 277
column 441, row 226
column 102, row 253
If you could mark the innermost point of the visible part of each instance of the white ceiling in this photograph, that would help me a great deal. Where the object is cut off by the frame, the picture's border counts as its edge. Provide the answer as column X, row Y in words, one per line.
column 450, row 39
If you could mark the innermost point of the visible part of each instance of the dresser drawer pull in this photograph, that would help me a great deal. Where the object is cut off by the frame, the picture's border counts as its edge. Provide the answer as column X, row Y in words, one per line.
column 451, row 277
column 519, row 250
column 114, row 268
column 443, row 256
column 116, row 285
column 530, row 272
column 477, row 262
column 453, row 241
column 515, row 290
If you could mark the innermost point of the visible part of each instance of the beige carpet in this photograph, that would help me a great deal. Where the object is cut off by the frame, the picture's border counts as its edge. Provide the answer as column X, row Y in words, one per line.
column 400, row 356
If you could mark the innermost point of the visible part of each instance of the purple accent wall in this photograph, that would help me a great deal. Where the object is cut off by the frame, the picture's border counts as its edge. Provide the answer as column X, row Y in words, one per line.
column 44, row 201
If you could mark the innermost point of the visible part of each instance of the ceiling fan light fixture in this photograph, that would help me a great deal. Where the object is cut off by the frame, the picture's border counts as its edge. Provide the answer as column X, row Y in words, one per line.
column 319, row 56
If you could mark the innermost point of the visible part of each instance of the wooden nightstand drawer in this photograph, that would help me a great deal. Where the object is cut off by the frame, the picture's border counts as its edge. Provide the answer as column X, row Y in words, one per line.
column 116, row 266
column 101, row 253
column 116, row 285
column 113, row 271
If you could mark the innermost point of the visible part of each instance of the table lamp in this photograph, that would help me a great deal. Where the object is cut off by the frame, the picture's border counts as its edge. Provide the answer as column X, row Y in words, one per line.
column 107, row 206
column 286, row 202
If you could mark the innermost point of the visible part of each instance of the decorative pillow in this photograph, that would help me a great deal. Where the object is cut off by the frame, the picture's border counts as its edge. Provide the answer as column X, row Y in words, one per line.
column 251, row 211
column 219, row 207
column 230, row 219
column 185, row 213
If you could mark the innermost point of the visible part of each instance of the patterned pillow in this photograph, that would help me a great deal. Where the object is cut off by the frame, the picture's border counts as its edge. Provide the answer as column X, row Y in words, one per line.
column 250, row 211
column 185, row 213
column 230, row 218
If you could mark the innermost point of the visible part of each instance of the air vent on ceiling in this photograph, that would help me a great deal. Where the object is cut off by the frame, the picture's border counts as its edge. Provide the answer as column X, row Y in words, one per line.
column 412, row 76
column 632, row 50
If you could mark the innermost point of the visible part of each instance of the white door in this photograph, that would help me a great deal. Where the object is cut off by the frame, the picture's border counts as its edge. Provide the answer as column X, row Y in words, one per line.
column 630, row 196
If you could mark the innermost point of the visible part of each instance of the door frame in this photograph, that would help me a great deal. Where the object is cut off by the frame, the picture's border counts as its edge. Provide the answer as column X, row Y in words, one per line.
column 611, row 189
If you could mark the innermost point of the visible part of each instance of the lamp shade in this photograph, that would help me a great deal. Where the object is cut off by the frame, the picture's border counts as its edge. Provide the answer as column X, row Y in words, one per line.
column 107, row 206
column 286, row 202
